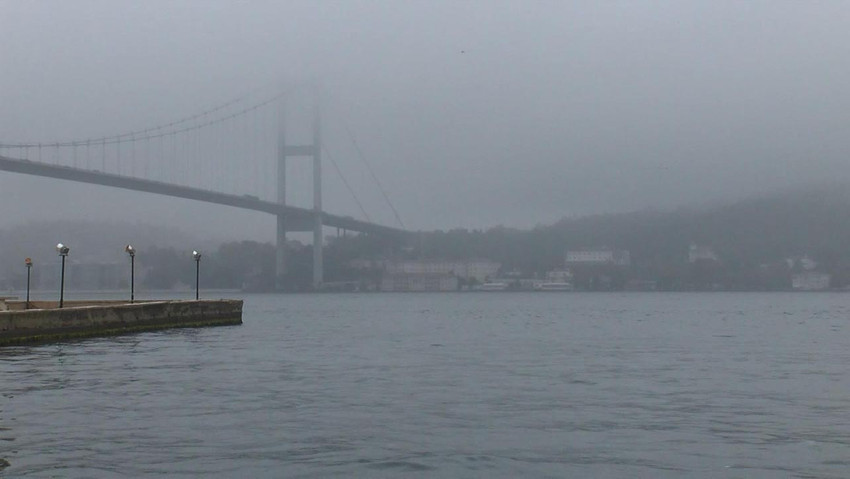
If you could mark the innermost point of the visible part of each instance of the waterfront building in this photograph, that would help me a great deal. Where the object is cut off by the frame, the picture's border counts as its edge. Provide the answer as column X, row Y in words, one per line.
column 419, row 282
column 598, row 256
column 559, row 276
column 810, row 281
column 701, row 253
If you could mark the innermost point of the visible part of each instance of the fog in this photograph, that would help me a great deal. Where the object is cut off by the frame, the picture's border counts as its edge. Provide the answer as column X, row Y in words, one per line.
column 472, row 114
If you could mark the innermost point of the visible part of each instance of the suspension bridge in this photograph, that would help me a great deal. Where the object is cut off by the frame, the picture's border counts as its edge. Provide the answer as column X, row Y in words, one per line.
column 234, row 154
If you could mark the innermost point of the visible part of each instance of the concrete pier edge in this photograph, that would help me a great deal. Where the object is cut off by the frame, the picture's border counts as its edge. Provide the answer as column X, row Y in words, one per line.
column 35, row 326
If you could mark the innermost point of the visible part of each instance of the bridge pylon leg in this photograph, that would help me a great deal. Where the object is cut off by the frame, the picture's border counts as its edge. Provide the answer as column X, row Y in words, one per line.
column 280, row 254
column 318, row 239
column 280, row 237
column 313, row 151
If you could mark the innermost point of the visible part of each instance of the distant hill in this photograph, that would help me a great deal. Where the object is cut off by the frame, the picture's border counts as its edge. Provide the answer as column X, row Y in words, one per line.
column 813, row 220
column 749, row 236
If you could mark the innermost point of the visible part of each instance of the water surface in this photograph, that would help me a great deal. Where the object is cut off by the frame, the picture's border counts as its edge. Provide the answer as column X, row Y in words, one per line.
column 448, row 385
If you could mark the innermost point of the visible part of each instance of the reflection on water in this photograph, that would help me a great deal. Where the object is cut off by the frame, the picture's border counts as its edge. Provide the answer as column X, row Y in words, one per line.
column 451, row 385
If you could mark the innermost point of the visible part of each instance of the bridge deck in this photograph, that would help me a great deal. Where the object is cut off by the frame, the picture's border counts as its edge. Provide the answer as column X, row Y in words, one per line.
column 298, row 219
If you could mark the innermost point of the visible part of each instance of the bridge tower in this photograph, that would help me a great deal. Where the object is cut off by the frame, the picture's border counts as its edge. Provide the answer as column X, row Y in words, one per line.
column 313, row 151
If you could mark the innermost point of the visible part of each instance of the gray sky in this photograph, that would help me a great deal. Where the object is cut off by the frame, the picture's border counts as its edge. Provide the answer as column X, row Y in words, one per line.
column 473, row 114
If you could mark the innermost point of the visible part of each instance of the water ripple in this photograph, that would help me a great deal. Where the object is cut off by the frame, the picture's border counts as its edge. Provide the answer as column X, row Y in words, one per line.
column 503, row 385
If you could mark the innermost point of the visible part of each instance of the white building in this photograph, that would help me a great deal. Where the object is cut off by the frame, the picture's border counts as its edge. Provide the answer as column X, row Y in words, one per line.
column 598, row 256
column 419, row 282
column 559, row 276
column 701, row 253
column 810, row 281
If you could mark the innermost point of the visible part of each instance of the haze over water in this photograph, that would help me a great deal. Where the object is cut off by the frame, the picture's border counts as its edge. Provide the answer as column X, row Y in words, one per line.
column 452, row 385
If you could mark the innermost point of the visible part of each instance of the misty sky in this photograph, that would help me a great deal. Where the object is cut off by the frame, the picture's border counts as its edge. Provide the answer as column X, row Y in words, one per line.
column 473, row 114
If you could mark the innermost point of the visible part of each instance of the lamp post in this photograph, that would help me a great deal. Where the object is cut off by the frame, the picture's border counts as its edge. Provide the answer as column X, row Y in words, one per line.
column 197, row 257
column 28, row 262
column 132, row 252
column 63, row 252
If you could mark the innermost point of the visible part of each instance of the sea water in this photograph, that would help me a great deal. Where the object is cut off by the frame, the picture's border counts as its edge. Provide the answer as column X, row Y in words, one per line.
column 448, row 385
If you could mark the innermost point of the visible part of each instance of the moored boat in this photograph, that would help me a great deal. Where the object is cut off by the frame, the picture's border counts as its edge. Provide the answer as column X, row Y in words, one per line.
column 554, row 286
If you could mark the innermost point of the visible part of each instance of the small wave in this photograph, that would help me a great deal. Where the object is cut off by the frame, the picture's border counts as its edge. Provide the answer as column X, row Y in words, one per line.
column 407, row 466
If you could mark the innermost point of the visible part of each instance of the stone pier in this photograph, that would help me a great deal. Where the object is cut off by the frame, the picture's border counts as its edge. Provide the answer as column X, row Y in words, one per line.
column 45, row 322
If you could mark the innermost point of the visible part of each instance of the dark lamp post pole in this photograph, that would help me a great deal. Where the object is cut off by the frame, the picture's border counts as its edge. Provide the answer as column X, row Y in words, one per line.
column 28, row 262
column 63, row 252
column 197, row 257
column 132, row 252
